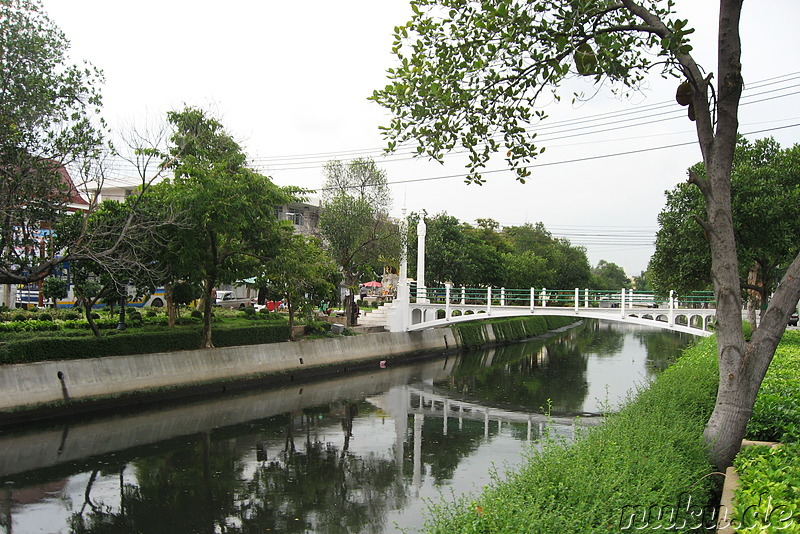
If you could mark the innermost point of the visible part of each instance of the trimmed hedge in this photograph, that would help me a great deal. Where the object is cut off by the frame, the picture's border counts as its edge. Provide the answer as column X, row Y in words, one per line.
column 254, row 335
column 119, row 344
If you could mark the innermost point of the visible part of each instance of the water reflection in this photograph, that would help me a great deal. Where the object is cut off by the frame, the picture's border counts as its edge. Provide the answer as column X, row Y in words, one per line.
column 353, row 454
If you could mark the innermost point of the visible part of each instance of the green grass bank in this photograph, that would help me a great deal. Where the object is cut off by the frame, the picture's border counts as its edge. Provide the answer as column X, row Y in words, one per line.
column 646, row 469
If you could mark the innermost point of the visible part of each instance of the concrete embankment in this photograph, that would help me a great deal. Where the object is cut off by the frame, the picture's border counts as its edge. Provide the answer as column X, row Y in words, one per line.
column 66, row 385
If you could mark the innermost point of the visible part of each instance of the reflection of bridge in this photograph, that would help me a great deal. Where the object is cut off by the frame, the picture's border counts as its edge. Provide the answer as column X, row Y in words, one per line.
column 421, row 307
column 427, row 400
column 422, row 400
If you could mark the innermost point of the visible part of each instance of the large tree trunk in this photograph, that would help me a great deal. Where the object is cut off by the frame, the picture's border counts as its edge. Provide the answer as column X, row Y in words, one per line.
column 208, row 286
column 742, row 366
column 736, row 393
column 170, row 304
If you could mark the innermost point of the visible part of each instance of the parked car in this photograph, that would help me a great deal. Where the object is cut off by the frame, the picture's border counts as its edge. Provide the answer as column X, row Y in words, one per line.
column 793, row 319
column 228, row 299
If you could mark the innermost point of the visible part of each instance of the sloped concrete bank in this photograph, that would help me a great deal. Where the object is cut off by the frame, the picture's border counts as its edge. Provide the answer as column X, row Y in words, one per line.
column 29, row 391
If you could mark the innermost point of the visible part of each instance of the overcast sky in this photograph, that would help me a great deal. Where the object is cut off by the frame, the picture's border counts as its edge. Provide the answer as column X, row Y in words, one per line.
column 290, row 81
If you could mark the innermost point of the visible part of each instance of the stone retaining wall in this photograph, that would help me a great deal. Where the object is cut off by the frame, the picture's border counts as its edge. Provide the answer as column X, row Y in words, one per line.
column 26, row 386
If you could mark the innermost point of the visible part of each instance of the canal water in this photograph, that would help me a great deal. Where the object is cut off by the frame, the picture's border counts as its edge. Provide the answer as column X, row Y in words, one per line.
column 364, row 453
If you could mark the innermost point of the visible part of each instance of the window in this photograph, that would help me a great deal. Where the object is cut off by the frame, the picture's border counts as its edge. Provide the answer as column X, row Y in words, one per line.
column 296, row 218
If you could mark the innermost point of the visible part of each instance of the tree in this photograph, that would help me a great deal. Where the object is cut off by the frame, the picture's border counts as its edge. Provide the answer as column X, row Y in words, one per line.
column 54, row 289
column 470, row 73
column 609, row 276
column 355, row 224
column 228, row 217
column 48, row 111
column 765, row 191
column 299, row 273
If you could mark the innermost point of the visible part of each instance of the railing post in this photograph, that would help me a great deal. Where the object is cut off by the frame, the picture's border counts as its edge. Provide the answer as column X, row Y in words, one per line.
column 489, row 300
column 463, row 296
column 502, row 296
column 544, row 297
column 622, row 303
column 671, row 307
column 586, row 298
column 577, row 299
column 533, row 299
column 447, row 302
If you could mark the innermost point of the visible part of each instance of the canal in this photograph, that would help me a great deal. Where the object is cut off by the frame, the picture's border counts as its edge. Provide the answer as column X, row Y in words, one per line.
column 356, row 454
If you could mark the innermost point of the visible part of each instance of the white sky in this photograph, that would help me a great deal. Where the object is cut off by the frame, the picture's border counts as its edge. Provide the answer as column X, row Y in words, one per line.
column 290, row 80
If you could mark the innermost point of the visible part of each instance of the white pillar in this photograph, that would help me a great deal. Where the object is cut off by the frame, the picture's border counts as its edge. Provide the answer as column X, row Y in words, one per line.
column 463, row 295
column 533, row 299
column 577, row 299
column 586, row 298
column 416, row 477
column 447, row 287
column 489, row 300
column 400, row 313
column 421, row 233
column 671, row 308
column 544, row 297
column 622, row 303
column 502, row 296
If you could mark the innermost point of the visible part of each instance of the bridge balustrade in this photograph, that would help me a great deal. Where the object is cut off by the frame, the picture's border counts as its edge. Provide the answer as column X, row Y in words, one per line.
column 429, row 307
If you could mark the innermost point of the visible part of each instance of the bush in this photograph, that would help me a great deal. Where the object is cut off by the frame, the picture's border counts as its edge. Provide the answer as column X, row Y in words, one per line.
column 317, row 328
column 59, row 348
column 253, row 335
column 197, row 314
column 776, row 413
column 776, row 472
column 45, row 317
column 29, row 325
column 19, row 317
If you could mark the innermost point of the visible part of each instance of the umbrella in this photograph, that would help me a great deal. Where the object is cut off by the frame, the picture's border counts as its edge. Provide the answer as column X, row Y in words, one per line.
column 372, row 284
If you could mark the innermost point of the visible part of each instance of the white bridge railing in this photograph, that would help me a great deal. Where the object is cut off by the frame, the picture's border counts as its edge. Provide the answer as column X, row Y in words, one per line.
column 431, row 307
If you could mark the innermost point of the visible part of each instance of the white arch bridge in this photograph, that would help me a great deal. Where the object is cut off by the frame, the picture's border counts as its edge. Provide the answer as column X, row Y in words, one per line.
column 423, row 308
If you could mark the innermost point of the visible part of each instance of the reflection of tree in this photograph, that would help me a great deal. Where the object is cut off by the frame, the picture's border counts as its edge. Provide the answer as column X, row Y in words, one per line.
column 200, row 487
column 443, row 453
column 322, row 488
column 190, row 490
column 602, row 339
column 662, row 347
column 525, row 376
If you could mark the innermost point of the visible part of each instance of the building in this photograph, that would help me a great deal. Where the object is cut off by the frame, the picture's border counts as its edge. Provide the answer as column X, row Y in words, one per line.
column 304, row 216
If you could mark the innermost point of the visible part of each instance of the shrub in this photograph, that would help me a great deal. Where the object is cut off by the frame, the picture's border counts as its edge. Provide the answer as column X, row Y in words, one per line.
column 151, row 313
column 776, row 413
column 318, row 328
column 19, row 317
column 60, row 348
column 71, row 316
column 253, row 335
column 197, row 314
column 767, row 496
